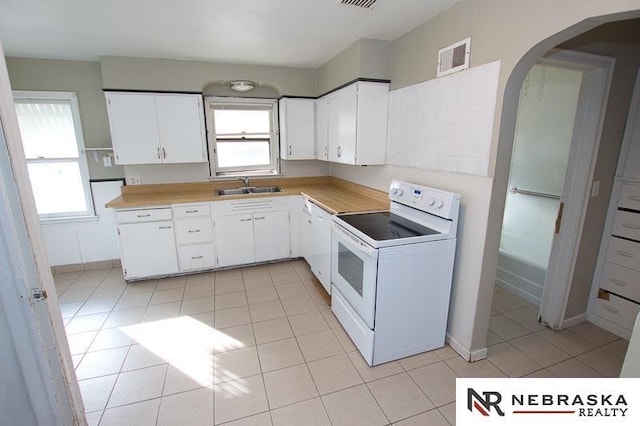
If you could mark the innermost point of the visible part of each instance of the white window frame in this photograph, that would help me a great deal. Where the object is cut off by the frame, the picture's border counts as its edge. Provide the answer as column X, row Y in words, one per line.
column 72, row 98
column 274, row 147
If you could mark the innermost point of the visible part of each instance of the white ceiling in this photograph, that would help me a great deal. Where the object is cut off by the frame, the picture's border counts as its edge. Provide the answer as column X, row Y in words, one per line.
column 298, row 33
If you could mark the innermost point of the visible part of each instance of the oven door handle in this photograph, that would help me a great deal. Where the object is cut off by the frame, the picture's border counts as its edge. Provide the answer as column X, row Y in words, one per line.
column 354, row 242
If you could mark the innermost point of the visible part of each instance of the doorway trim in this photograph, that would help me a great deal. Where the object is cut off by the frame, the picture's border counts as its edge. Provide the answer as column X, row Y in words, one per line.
column 577, row 186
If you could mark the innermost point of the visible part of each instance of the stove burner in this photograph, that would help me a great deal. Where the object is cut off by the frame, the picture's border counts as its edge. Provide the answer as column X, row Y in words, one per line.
column 386, row 226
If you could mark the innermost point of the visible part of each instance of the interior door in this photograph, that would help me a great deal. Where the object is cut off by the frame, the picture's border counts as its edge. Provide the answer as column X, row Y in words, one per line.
column 36, row 363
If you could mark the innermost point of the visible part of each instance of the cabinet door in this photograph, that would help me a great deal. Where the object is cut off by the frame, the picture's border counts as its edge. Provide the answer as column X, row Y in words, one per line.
column 321, row 264
column 181, row 128
column 134, row 128
column 297, row 129
column 148, row 249
column 343, row 106
column 271, row 235
column 322, row 129
column 306, row 235
column 234, row 239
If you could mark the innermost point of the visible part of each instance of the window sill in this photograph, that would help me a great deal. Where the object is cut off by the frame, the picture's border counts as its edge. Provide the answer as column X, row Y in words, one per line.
column 69, row 220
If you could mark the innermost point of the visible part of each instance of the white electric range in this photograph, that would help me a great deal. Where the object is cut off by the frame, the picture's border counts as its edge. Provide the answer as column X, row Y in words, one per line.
column 391, row 272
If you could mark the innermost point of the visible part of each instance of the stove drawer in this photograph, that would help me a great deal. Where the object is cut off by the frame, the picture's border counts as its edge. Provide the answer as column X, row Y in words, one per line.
column 361, row 335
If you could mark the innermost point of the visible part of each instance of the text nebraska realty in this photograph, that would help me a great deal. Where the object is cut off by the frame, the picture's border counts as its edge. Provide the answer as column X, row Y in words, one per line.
column 590, row 405
column 584, row 405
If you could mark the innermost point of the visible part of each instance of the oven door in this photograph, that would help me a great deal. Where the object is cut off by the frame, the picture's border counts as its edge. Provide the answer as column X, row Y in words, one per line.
column 354, row 270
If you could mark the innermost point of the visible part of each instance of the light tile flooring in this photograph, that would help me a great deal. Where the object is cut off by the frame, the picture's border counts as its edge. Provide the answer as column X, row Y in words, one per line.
column 260, row 346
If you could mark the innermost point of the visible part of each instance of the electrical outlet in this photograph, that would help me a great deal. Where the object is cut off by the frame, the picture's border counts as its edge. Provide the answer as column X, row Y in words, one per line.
column 133, row 180
column 106, row 160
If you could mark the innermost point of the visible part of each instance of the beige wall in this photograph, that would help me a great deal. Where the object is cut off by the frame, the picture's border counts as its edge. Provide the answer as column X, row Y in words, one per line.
column 81, row 77
column 194, row 76
column 366, row 58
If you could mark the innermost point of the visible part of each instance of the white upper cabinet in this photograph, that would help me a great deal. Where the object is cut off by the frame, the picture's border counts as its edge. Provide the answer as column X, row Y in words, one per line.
column 322, row 127
column 351, row 125
column 297, row 138
column 149, row 128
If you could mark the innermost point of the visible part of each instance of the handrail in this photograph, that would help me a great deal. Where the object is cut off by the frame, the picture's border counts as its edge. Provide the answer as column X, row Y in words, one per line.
column 516, row 190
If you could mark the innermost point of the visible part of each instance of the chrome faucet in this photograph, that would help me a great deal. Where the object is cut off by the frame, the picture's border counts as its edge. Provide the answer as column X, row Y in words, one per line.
column 244, row 180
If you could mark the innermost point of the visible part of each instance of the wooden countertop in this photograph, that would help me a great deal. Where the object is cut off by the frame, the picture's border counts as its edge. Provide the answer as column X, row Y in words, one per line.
column 333, row 194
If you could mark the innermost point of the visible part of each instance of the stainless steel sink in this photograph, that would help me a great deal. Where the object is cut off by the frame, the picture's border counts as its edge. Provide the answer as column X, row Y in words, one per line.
column 265, row 189
column 250, row 190
column 234, row 191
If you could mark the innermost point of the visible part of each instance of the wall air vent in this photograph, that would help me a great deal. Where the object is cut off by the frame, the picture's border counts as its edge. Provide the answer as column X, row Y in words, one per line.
column 454, row 58
column 364, row 4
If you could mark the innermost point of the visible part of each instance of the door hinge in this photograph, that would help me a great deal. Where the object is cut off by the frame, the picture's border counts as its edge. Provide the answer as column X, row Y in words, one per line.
column 559, row 218
column 38, row 295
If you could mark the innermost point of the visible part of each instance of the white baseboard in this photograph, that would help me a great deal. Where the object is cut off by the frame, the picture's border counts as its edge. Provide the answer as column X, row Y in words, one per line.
column 464, row 352
column 570, row 322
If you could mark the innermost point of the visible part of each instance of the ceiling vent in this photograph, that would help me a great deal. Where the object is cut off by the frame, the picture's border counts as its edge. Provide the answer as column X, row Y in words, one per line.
column 363, row 4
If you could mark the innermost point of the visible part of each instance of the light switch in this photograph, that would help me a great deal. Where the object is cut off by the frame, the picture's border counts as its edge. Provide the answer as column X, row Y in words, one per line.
column 106, row 160
column 595, row 188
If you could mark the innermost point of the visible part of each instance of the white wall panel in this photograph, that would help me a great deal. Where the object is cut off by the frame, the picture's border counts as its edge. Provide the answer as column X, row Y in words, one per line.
column 445, row 124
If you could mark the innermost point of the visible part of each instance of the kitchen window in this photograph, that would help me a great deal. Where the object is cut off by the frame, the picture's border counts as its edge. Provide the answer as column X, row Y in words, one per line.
column 242, row 136
column 54, row 149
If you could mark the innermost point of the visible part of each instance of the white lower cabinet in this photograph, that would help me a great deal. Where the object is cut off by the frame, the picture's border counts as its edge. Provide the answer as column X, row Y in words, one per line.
column 147, row 247
column 319, row 246
column 194, row 236
column 184, row 238
column 234, row 239
column 271, row 232
column 249, row 231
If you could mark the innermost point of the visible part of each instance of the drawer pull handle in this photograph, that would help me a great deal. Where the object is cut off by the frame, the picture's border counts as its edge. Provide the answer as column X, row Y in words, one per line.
column 245, row 220
column 610, row 309
column 617, row 282
column 192, row 211
column 196, row 257
column 625, row 254
column 631, row 226
column 144, row 215
column 164, row 227
column 634, row 197
column 259, row 218
column 192, row 231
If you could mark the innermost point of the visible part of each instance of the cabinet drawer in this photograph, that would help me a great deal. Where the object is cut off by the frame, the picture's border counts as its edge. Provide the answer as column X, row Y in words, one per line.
column 627, row 225
column 143, row 215
column 199, row 256
column 630, row 196
column 624, row 253
column 195, row 230
column 191, row 210
column 622, row 281
column 617, row 310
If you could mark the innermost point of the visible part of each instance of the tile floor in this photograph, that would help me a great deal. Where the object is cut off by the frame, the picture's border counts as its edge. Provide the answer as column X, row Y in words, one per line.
column 260, row 346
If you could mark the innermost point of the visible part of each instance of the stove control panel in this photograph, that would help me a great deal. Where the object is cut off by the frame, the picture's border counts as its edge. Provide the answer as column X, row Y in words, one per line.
column 440, row 203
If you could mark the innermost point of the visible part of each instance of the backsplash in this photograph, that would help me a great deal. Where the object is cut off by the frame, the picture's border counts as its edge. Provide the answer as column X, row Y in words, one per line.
column 445, row 124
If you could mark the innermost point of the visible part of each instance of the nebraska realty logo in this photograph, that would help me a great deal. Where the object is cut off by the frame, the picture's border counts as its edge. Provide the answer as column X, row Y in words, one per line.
column 554, row 401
